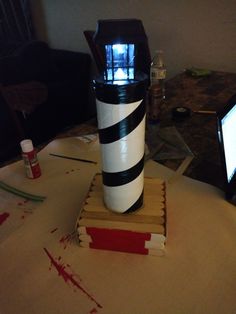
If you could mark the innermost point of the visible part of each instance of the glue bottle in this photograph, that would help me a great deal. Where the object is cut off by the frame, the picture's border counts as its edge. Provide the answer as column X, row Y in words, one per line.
column 30, row 159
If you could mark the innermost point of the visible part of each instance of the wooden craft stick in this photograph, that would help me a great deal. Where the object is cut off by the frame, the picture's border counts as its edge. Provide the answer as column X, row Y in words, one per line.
column 158, row 237
column 142, row 232
column 85, row 238
column 154, row 245
column 156, row 252
column 145, row 251
column 122, row 217
column 153, row 207
column 147, row 244
column 152, row 228
column 154, row 237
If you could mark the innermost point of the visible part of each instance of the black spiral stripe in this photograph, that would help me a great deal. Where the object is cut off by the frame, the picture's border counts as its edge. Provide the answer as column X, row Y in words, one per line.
column 121, row 94
column 136, row 205
column 123, row 127
column 123, row 177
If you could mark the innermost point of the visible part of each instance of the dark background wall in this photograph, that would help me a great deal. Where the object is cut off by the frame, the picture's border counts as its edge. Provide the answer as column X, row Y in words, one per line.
column 199, row 33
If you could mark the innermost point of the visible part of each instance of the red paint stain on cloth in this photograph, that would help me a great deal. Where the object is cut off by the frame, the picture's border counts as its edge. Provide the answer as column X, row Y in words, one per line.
column 72, row 170
column 54, row 230
column 69, row 277
column 67, row 239
column 3, row 217
column 28, row 211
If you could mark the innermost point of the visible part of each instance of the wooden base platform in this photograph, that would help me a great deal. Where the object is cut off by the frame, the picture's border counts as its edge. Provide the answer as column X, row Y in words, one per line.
column 143, row 231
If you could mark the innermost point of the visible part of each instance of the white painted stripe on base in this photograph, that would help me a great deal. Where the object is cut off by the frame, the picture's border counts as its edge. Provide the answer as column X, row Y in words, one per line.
column 121, row 198
column 125, row 153
column 158, row 237
column 85, row 238
column 109, row 114
column 82, row 230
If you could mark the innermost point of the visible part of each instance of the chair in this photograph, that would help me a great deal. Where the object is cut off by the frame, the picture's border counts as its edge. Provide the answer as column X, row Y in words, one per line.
column 45, row 89
column 11, row 132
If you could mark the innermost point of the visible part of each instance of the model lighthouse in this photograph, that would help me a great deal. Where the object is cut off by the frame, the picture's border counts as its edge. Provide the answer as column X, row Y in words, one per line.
column 120, row 92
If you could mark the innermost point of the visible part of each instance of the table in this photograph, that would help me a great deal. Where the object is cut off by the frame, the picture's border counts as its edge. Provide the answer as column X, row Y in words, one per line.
column 43, row 270
column 199, row 130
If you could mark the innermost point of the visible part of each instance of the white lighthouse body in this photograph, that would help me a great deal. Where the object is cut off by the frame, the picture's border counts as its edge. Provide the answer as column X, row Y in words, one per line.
column 120, row 157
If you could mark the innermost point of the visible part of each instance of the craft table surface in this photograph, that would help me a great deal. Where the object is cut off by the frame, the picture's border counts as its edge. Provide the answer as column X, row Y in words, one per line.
column 197, row 275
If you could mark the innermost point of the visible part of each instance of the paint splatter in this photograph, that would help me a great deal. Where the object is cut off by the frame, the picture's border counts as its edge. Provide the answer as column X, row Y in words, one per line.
column 3, row 217
column 27, row 212
column 72, row 170
column 53, row 230
column 67, row 239
column 93, row 311
column 69, row 277
column 22, row 203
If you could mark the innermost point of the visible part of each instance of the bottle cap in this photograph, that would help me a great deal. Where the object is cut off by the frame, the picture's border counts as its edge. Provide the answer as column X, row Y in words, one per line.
column 26, row 146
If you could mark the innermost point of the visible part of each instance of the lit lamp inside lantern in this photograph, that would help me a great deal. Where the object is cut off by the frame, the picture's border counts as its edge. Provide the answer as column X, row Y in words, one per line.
column 119, row 63
column 120, row 91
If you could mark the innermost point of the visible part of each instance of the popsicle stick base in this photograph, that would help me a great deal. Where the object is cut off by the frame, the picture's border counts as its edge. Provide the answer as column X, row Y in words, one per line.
column 143, row 231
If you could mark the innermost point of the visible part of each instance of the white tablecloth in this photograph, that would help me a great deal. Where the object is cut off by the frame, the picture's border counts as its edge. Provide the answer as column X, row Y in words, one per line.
column 43, row 270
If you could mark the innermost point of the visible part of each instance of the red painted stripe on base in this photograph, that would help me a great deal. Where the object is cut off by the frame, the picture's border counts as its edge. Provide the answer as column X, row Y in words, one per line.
column 118, row 247
column 116, row 243
column 105, row 234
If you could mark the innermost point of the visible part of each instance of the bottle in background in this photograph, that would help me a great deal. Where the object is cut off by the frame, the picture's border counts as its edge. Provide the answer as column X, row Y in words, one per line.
column 158, row 71
column 156, row 93
column 30, row 159
column 155, row 102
